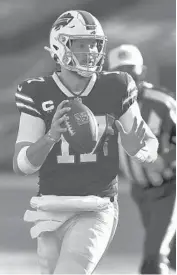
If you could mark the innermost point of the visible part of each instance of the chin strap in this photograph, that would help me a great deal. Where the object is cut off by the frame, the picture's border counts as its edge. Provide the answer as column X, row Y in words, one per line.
column 53, row 55
column 49, row 50
column 85, row 73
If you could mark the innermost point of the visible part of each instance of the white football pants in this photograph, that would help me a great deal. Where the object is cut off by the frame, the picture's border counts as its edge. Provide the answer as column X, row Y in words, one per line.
column 78, row 244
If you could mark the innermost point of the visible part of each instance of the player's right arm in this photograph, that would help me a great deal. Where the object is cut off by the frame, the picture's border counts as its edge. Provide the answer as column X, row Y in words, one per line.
column 32, row 144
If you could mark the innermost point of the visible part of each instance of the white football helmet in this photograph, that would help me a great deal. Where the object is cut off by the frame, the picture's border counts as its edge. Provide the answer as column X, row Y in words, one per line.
column 73, row 25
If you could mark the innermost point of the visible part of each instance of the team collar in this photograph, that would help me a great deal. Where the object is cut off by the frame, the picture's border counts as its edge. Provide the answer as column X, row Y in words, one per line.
column 67, row 92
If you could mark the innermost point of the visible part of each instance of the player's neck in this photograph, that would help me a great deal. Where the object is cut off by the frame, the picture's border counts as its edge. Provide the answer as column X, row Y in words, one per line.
column 74, row 82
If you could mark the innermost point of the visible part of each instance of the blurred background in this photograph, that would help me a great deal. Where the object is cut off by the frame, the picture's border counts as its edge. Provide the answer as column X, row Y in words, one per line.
column 24, row 31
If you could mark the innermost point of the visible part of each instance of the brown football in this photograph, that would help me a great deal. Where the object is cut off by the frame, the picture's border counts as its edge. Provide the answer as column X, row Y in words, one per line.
column 82, row 133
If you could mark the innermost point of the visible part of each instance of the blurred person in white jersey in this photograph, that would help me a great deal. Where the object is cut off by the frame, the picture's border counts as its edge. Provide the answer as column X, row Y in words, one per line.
column 76, row 210
column 153, row 186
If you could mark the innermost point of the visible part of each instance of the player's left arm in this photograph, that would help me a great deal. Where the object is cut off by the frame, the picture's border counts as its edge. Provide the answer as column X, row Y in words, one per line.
column 145, row 148
column 136, row 136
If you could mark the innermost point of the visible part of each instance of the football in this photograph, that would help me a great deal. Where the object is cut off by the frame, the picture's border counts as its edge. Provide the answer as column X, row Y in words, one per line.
column 82, row 133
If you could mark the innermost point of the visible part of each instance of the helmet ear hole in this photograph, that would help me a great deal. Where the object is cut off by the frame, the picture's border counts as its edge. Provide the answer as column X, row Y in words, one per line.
column 55, row 47
column 69, row 43
column 55, row 58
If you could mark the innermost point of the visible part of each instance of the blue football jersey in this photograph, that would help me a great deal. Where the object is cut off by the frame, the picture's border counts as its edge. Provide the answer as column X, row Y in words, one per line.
column 65, row 172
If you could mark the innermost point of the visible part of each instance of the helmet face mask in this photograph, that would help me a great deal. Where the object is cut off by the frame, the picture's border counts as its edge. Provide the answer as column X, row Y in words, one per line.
column 84, row 54
column 79, row 47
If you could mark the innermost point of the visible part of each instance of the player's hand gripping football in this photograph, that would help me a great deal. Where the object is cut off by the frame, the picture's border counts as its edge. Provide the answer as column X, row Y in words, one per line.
column 59, row 117
column 133, row 140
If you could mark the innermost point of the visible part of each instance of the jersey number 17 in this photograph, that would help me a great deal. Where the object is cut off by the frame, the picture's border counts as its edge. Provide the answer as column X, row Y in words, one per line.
column 65, row 157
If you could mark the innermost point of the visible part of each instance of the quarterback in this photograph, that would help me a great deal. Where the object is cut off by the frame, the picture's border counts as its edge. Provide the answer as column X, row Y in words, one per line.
column 75, row 212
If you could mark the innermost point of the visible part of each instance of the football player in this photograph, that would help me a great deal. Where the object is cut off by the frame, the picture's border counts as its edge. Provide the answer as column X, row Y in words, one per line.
column 75, row 212
column 153, row 185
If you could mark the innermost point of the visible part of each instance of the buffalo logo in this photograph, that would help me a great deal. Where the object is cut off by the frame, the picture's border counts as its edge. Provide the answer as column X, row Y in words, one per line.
column 63, row 21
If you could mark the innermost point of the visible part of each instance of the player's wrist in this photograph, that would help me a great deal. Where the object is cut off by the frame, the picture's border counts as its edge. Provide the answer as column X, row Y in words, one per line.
column 51, row 137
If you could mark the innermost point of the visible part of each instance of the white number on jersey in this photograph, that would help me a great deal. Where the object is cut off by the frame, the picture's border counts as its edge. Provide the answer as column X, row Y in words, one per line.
column 65, row 157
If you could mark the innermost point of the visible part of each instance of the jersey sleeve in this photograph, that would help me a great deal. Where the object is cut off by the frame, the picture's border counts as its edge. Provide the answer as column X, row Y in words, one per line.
column 128, row 92
column 27, row 100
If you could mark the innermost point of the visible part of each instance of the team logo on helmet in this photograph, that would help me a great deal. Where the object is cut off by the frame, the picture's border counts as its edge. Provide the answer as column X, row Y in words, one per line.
column 63, row 21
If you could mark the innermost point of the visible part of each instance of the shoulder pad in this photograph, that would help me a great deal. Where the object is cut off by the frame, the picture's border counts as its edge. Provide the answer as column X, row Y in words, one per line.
column 110, row 73
column 27, row 97
column 28, row 87
column 122, row 76
column 36, row 79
